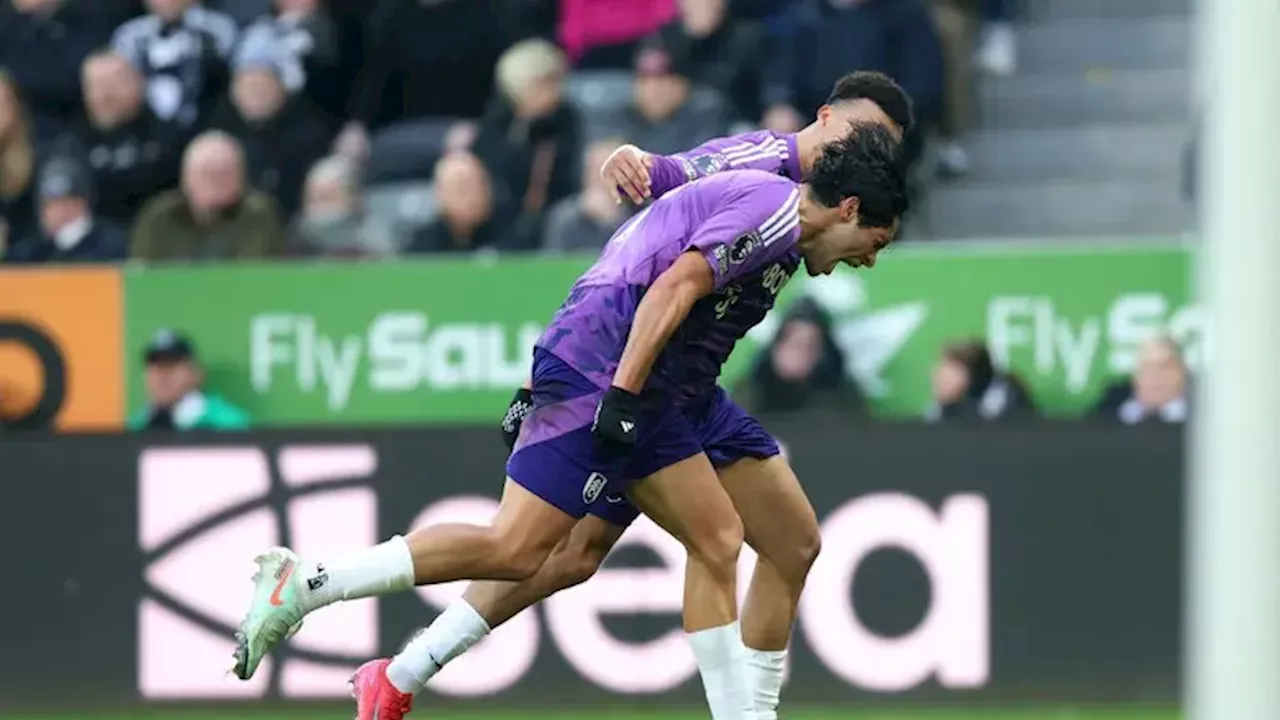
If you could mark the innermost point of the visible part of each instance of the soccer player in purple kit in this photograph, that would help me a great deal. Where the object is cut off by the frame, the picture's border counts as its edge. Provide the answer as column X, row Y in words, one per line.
column 779, row 521
column 639, row 341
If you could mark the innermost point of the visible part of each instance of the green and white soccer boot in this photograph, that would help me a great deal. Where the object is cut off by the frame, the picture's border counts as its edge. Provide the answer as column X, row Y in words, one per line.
column 276, row 612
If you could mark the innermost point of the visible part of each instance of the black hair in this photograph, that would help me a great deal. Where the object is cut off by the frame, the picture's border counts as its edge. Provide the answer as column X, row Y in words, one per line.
column 879, row 89
column 864, row 164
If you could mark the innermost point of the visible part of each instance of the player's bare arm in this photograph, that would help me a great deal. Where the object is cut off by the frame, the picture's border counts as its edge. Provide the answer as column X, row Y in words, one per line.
column 627, row 171
column 666, row 304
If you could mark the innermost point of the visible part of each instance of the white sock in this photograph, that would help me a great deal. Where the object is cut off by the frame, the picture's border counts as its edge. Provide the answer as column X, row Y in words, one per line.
column 380, row 570
column 722, row 662
column 767, row 668
column 448, row 636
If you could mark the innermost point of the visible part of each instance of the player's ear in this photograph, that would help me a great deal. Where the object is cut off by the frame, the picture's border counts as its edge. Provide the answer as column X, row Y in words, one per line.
column 849, row 208
column 824, row 115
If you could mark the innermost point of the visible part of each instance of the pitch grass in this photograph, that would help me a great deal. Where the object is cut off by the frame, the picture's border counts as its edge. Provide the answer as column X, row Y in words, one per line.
column 425, row 713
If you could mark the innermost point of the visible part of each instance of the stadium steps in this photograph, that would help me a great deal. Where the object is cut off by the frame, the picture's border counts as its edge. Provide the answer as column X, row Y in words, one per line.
column 1088, row 138
column 1064, row 208
column 1080, row 152
column 1059, row 9
column 1082, row 44
column 1099, row 96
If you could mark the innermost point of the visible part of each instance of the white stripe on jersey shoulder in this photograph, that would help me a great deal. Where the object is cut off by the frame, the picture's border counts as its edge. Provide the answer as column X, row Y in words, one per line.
column 773, row 148
column 783, row 220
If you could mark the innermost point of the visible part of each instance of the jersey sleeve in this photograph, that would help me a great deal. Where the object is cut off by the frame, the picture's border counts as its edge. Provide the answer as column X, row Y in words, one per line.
column 750, row 231
column 761, row 150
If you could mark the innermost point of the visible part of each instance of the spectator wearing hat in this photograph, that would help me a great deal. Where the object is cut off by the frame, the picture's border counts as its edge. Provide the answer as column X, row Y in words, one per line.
column 318, row 51
column 283, row 134
column 69, row 232
column 668, row 112
column 132, row 155
column 176, row 396
column 214, row 215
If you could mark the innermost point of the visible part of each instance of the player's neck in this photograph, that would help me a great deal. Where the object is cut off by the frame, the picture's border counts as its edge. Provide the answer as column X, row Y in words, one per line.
column 808, row 222
column 808, row 146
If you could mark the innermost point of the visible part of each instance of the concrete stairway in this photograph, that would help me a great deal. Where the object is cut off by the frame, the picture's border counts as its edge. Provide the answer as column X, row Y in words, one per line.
column 1087, row 139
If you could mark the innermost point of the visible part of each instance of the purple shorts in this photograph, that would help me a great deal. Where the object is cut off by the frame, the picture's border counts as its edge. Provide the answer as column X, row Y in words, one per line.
column 555, row 456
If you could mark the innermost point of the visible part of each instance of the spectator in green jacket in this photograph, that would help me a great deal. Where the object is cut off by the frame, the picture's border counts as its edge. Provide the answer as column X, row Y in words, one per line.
column 176, row 397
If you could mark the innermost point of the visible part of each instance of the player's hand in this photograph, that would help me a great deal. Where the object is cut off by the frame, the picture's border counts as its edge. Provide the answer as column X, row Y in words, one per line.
column 519, row 409
column 627, row 172
column 617, row 423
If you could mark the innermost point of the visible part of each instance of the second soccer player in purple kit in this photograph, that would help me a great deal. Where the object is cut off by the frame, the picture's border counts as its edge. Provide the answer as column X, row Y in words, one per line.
column 625, row 403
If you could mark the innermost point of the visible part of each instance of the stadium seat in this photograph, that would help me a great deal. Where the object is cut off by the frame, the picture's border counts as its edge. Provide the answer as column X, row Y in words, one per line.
column 403, row 206
column 406, row 151
column 600, row 91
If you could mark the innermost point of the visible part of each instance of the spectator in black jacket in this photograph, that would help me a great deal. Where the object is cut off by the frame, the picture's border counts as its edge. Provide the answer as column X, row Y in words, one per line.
column 68, row 230
column 183, row 50
column 724, row 53
column 282, row 136
column 424, row 59
column 131, row 154
column 1159, row 390
column 473, row 214
column 531, row 138
column 43, row 42
column 967, row 386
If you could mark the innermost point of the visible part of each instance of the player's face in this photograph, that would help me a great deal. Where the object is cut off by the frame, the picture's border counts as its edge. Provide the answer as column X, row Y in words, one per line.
column 848, row 243
column 835, row 119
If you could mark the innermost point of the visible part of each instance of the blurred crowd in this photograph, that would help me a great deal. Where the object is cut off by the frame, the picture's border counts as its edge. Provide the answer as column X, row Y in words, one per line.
column 184, row 130
column 804, row 369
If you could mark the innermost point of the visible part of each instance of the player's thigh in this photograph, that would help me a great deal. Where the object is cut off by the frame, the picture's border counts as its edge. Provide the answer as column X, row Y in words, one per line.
column 687, row 500
column 778, row 519
column 528, row 525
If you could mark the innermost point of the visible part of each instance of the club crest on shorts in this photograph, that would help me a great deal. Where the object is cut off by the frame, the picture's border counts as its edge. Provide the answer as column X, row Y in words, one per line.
column 593, row 487
column 743, row 247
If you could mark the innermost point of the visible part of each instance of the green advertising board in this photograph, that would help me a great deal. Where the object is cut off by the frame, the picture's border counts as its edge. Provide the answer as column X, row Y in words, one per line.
column 448, row 341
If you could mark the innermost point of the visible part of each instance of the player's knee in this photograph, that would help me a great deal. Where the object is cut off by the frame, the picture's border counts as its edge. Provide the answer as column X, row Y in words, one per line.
column 577, row 567
column 518, row 560
column 719, row 546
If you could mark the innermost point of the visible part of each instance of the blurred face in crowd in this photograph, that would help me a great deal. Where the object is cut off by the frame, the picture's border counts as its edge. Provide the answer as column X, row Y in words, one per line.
column 58, row 213
column 327, row 198
column 258, row 94
column 30, row 7
column 950, row 379
column 834, row 119
column 1161, row 377
column 541, row 97
column 462, row 190
column 112, row 91
column 659, row 95
column 797, row 350
column 168, row 9
column 297, row 7
column 169, row 380
column 212, row 175
column 702, row 17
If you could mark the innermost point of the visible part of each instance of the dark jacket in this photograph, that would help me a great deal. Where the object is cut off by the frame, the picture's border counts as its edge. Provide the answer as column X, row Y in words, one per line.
column 538, row 162
column 428, row 60
column 17, row 219
column 166, row 230
column 827, row 387
column 1117, row 404
column 130, row 164
column 105, row 242
column 45, row 51
column 730, row 61
column 280, row 150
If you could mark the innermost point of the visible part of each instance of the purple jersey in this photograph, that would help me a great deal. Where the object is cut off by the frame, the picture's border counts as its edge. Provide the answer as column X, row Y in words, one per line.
column 760, row 150
column 745, row 225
